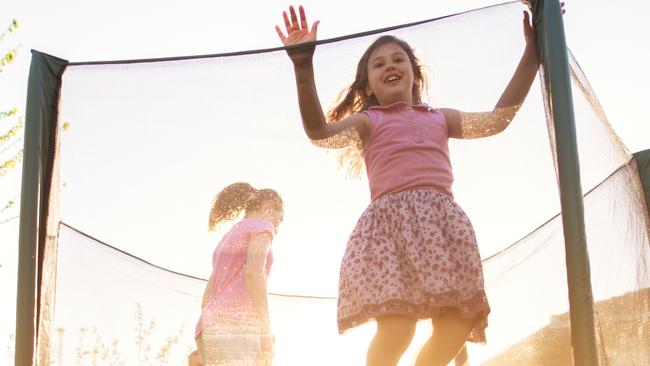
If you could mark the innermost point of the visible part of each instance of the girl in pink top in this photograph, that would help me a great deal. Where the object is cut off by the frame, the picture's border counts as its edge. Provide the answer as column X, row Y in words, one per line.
column 233, row 328
column 413, row 253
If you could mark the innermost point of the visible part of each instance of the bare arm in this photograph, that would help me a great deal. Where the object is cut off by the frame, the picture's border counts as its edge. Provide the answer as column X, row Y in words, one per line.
column 481, row 124
column 519, row 85
column 258, row 249
column 311, row 111
column 206, row 293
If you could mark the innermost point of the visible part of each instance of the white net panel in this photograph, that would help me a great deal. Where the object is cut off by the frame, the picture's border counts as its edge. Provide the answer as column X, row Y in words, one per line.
column 151, row 143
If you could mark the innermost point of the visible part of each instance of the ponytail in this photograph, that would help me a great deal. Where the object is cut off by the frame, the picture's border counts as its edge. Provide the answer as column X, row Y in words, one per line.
column 237, row 198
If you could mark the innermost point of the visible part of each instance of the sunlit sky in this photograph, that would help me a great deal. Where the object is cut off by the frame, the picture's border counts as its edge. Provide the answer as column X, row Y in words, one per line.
column 605, row 37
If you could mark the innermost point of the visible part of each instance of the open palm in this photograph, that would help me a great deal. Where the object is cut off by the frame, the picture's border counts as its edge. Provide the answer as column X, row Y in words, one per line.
column 297, row 32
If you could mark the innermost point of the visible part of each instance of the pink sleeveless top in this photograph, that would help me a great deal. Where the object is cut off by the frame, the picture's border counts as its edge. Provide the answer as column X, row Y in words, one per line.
column 407, row 149
column 228, row 301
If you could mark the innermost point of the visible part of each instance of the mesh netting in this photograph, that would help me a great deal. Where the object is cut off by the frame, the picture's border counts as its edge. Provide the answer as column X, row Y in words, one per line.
column 151, row 143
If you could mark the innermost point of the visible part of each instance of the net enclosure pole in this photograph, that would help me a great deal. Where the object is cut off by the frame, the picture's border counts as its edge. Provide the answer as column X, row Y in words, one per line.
column 40, row 118
column 547, row 17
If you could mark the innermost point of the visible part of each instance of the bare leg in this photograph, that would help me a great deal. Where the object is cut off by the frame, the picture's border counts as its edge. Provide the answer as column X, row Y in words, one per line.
column 449, row 335
column 394, row 334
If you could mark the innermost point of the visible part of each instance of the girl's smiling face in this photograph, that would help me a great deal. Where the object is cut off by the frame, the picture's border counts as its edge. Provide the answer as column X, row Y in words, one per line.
column 390, row 75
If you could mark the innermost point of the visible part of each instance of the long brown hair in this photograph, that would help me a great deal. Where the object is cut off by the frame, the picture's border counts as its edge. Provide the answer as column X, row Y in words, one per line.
column 353, row 99
column 237, row 198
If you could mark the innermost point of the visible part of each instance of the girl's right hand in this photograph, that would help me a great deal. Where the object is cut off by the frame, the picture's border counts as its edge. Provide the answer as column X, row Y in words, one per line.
column 298, row 32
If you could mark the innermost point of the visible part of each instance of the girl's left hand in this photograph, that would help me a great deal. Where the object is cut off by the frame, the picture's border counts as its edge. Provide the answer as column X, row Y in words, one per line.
column 529, row 30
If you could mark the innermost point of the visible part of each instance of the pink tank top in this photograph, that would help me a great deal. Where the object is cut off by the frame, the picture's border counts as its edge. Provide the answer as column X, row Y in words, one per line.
column 228, row 301
column 407, row 149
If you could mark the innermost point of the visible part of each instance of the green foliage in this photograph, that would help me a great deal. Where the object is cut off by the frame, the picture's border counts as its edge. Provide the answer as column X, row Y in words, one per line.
column 10, row 347
column 8, row 113
column 12, row 28
column 147, row 355
column 11, row 163
column 7, row 206
column 92, row 350
column 11, row 127
column 8, row 58
column 10, row 55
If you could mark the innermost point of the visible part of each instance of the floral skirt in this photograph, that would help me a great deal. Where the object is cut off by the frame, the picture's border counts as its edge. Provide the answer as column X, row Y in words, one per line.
column 412, row 253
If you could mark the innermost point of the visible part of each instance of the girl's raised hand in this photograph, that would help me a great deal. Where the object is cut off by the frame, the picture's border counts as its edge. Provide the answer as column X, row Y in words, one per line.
column 529, row 35
column 298, row 32
column 529, row 31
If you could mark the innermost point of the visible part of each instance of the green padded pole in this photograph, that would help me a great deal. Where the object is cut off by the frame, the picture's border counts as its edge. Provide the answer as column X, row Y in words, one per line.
column 40, row 116
column 553, row 51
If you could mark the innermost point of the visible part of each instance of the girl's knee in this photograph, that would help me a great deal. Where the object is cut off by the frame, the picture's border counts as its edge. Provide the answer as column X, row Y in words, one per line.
column 452, row 325
column 396, row 326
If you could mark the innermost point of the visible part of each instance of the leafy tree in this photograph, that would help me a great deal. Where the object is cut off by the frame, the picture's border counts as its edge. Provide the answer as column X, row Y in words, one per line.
column 11, row 127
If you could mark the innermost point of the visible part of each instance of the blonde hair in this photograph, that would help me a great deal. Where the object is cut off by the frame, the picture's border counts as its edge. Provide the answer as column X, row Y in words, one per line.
column 240, row 198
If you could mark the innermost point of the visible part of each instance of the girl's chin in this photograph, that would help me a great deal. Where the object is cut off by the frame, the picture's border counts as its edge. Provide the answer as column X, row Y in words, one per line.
column 395, row 99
